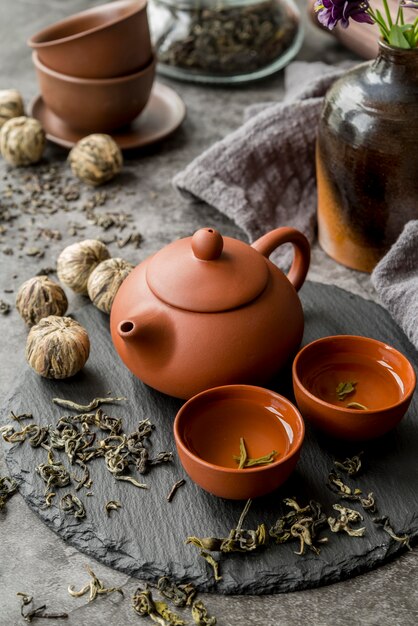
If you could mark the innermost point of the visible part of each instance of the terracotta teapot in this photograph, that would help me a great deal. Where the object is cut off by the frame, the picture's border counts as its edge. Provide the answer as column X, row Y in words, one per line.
column 209, row 310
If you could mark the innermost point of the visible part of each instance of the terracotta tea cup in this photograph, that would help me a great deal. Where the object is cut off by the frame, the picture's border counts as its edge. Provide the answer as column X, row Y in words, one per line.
column 208, row 429
column 103, row 42
column 351, row 387
column 92, row 105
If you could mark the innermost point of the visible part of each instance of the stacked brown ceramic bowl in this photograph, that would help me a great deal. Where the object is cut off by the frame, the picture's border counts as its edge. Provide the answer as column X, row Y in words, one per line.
column 96, row 68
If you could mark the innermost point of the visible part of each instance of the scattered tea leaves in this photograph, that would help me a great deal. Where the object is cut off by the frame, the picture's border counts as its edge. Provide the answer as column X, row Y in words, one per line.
column 37, row 613
column 302, row 523
column 144, row 604
column 201, row 616
column 94, row 404
column 8, row 487
column 387, row 527
column 174, row 489
column 5, row 307
column 112, row 505
column 71, row 504
column 337, row 485
column 95, row 587
column 350, row 466
column 342, row 523
column 180, row 595
column 214, row 564
column 132, row 480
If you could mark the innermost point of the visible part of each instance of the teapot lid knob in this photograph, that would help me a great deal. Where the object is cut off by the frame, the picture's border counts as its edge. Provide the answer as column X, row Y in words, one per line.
column 207, row 244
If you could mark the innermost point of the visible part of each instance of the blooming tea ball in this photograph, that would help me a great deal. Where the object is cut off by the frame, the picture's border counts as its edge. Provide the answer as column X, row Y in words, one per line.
column 39, row 297
column 57, row 347
column 22, row 141
column 95, row 159
column 105, row 280
column 11, row 105
column 76, row 262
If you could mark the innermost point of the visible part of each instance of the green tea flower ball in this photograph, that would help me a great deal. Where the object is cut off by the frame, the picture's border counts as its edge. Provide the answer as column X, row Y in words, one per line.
column 57, row 347
column 40, row 297
column 105, row 280
column 22, row 141
column 11, row 105
column 95, row 159
column 76, row 262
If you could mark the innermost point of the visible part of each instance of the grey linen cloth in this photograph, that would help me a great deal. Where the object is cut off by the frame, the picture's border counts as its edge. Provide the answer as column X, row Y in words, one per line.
column 395, row 279
column 263, row 174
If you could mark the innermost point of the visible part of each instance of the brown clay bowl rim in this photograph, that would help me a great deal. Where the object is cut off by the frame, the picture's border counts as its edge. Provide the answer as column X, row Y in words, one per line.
column 93, row 82
column 349, row 338
column 132, row 6
column 295, row 447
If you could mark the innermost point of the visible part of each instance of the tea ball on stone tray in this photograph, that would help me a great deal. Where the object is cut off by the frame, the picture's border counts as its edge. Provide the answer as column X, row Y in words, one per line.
column 57, row 347
column 77, row 261
column 11, row 105
column 105, row 280
column 95, row 159
column 22, row 141
column 39, row 297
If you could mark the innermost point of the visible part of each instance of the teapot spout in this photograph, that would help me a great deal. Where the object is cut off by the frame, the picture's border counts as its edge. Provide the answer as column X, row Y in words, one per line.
column 137, row 326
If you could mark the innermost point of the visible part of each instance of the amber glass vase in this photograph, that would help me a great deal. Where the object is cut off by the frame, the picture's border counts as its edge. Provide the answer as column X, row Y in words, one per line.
column 366, row 158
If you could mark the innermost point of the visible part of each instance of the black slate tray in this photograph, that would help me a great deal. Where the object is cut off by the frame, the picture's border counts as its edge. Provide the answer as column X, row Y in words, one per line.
column 146, row 537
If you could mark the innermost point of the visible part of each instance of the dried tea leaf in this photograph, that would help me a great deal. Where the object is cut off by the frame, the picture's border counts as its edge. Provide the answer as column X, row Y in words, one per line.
column 94, row 404
column 342, row 523
column 200, row 615
column 95, row 587
column 351, row 466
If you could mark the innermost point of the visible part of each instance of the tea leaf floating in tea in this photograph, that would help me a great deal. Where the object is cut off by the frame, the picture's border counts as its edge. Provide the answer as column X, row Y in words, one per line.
column 301, row 523
column 94, row 404
column 112, row 505
column 351, row 466
column 344, row 389
column 39, row 612
column 174, row 489
column 342, row 523
column 357, row 405
column 8, row 487
column 243, row 459
column 180, row 595
column 242, row 454
column 95, row 586
column 144, row 604
column 200, row 615
column 71, row 504
column 385, row 522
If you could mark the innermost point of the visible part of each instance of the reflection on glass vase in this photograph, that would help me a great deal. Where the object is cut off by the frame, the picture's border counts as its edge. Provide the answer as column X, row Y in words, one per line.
column 366, row 159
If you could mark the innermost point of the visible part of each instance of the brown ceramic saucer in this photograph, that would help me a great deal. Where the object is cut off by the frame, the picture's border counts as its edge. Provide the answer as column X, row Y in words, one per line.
column 163, row 114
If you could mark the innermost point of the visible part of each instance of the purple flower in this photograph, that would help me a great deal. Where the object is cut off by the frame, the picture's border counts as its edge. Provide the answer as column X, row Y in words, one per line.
column 330, row 12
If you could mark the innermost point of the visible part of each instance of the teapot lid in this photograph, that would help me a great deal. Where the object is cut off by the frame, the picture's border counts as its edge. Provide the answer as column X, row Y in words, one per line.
column 207, row 273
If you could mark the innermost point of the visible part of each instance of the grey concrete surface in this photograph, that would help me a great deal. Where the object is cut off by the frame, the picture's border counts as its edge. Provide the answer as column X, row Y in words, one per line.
column 32, row 558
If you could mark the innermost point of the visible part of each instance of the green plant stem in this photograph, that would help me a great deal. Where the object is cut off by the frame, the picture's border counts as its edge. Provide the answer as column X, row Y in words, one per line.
column 388, row 15
column 378, row 18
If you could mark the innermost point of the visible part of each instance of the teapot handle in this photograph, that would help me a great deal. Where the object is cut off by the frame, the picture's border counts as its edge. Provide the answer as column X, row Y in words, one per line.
column 302, row 251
